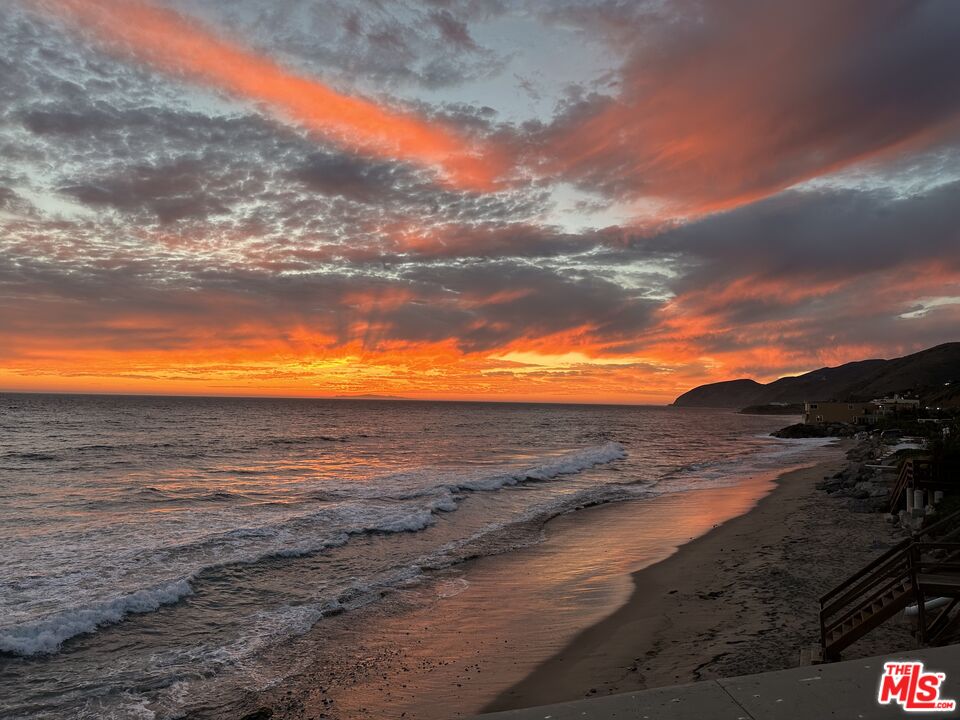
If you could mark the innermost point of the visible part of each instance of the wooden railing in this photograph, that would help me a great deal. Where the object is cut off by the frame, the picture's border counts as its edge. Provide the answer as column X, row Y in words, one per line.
column 944, row 529
column 947, row 558
column 884, row 583
column 890, row 582
column 904, row 479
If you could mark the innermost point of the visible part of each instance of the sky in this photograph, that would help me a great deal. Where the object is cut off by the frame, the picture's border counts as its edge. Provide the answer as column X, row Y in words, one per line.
column 574, row 200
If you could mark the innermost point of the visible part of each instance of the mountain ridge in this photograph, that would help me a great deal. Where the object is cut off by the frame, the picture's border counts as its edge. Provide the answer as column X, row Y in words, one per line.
column 933, row 374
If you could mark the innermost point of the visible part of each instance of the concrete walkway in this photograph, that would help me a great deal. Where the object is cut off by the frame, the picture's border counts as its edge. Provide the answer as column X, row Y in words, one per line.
column 845, row 690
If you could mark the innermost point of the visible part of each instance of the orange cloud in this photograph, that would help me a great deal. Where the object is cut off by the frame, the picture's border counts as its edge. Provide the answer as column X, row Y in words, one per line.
column 763, row 328
column 236, row 351
column 725, row 104
column 175, row 44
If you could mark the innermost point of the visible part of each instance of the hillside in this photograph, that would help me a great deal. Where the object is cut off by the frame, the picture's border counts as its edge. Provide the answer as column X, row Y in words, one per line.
column 924, row 373
column 733, row 393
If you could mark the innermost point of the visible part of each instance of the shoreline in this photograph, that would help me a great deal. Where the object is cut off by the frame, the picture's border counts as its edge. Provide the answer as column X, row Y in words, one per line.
column 511, row 613
column 740, row 599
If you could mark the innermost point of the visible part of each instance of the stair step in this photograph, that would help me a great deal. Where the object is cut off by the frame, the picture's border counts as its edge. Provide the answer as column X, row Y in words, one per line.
column 811, row 655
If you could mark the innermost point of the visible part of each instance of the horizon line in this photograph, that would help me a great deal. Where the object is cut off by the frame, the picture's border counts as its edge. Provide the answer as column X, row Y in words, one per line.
column 361, row 397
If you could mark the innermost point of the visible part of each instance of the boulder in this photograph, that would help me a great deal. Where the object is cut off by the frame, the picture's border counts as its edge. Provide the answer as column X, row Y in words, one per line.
column 868, row 488
column 263, row 713
column 868, row 505
column 830, row 485
column 801, row 430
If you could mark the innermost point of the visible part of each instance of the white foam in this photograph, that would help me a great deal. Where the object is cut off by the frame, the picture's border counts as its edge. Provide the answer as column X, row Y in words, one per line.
column 453, row 587
column 48, row 634
column 565, row 465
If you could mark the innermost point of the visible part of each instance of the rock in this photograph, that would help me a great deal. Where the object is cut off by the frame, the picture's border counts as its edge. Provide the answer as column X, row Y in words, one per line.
column 868, row 505
column 830, row 485
column 802, row 430
column 861, row 491
column 263, row 713
column 869, row 487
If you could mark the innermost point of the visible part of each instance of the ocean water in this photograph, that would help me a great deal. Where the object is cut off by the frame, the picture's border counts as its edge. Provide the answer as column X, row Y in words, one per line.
column 154, row 548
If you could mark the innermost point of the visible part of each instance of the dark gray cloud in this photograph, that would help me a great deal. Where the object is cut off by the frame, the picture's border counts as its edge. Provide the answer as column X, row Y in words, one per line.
column 817, row 236
column 7, row 197
column 517, row 300
column 351, row 177
column 453, row 30
column 169, row 192
column 383, row 44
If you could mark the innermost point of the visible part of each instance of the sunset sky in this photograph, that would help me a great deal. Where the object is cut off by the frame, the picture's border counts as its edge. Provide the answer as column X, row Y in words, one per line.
column 570, row 200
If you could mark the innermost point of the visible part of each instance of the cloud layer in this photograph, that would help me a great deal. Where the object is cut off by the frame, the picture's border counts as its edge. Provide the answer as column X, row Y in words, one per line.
column 205, row 197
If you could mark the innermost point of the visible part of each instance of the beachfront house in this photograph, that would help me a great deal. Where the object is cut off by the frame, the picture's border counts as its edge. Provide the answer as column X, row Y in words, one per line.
column 852, row 413
column 896, row 405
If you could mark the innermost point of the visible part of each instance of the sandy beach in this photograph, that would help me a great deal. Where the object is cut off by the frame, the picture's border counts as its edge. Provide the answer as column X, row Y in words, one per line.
column 740, row 599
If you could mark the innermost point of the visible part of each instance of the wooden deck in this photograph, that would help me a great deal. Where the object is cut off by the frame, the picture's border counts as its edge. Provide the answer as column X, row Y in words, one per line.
column 917, row 474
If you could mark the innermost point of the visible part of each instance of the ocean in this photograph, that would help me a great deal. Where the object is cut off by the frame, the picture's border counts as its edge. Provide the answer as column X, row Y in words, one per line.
column 157, row 551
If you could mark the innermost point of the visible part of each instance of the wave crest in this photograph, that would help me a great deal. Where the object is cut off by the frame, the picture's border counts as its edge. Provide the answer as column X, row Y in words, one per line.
column 45, row 636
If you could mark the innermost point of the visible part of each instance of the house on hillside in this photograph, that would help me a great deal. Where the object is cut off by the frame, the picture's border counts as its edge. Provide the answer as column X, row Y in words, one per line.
column 852, row 413
column 896, row 404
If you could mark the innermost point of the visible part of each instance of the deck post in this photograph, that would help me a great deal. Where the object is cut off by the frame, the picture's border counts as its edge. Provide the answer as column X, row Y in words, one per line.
column 914, row 560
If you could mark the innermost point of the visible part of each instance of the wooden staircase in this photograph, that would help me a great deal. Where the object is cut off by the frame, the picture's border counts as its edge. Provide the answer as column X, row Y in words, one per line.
column 911, row 572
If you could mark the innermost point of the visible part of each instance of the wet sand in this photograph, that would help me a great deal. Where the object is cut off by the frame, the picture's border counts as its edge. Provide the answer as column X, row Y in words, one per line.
column 741, row 599
column 606, row 603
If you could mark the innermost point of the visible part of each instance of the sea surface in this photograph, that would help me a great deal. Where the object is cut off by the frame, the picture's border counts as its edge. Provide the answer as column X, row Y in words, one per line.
column 156, row 548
